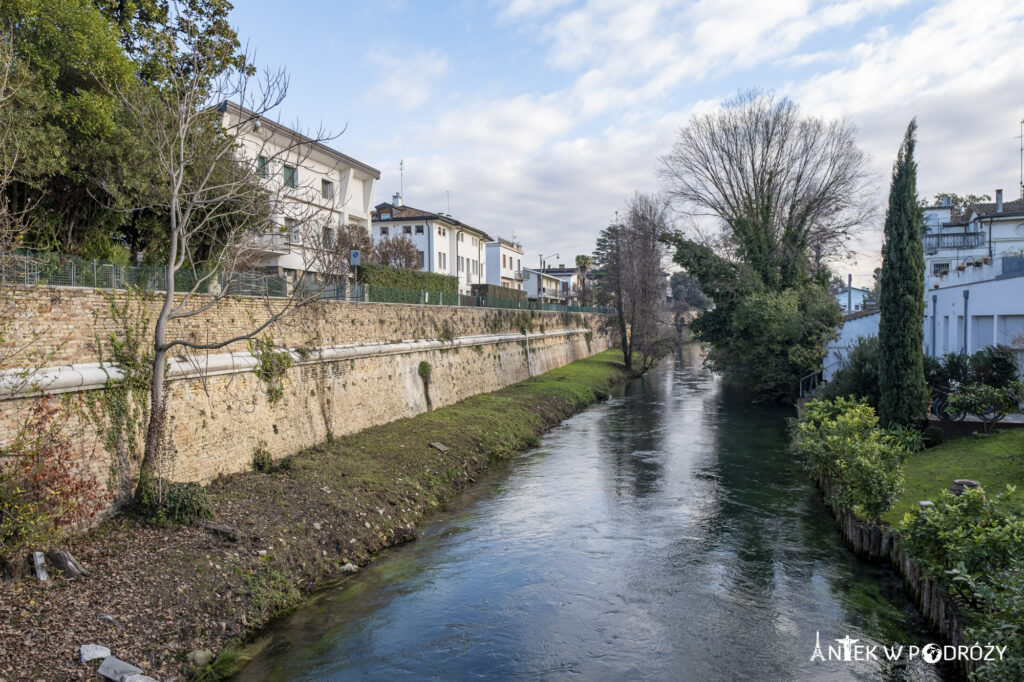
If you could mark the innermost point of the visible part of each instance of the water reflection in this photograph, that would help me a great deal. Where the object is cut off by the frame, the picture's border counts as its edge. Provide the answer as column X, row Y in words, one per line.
column 664, row 534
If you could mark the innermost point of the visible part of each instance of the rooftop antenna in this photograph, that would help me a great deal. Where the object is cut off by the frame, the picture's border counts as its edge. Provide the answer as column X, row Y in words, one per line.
column 449, row 195
column 401, row 177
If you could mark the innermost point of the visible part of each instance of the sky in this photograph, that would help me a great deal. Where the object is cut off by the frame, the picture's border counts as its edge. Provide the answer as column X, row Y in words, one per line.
column 540, row 119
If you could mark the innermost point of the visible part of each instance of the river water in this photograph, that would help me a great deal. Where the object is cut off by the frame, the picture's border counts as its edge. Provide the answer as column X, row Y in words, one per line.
column 664, row 534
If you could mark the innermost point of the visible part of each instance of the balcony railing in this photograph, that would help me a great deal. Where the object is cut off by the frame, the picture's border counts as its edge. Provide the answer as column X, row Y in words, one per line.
column 274, row 242
column 960, row 240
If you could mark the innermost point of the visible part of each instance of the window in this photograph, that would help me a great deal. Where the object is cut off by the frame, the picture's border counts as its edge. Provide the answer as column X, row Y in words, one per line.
column 939, row 269
column 420, row 259
column 294, row 233
column 440, row 263
column 383, row 232
column 407, row 229
column 460, row 237
column 261, row 166
column 461, row 263
column 290, row 176
column 419, row 229
column 328, row 238
column 519, row 265
column 327, row 189
column 502, row 260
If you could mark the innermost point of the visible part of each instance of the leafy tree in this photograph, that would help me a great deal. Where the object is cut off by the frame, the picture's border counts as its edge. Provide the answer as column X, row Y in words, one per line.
column 958, row 202
column 584, row 264
column 686, row 291
column 903, row 393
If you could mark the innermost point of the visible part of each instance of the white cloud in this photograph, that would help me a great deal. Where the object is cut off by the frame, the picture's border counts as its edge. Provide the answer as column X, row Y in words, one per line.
column 554, row 166
column 407, row 76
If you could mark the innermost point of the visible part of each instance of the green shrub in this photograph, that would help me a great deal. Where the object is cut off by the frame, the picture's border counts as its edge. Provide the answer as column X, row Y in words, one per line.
column 163, row 503
column 963, row 540
column 933, row 436
column 998, row 620
column 262, row 462
column 840, row 440
column 414, row 280
column 859, row 377
column 994, row 366
column 491, row 291
column 987, row 403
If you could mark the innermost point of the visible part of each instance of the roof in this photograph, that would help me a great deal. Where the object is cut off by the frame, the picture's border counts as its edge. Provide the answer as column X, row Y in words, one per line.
column 847, row 289
column 404, row 213
column 983, row 210
column 275, row 127
column 559, row 271
column 861, row 313
column 988, row 210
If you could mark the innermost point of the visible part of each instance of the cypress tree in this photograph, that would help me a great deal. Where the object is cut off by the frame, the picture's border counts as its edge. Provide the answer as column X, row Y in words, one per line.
column 903, row 393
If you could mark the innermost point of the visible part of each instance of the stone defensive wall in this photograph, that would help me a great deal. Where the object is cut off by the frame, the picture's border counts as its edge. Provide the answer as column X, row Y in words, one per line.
column 352, row 365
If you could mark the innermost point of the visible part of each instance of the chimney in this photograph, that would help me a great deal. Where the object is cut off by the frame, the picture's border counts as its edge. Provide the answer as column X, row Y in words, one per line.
column 396, row 200
column 999, row 201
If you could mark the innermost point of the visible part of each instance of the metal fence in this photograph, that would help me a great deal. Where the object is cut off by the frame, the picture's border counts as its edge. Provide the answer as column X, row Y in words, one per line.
column 34, row 268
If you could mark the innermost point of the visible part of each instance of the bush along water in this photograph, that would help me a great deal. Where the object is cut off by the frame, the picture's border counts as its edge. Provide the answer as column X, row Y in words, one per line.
column 842, row 445
column 973, row 547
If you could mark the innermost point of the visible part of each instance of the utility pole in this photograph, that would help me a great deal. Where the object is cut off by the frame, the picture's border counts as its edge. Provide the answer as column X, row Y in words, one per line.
column 1021, row 138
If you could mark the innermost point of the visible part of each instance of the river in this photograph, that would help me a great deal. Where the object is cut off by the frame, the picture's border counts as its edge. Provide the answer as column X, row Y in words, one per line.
column 664, row 534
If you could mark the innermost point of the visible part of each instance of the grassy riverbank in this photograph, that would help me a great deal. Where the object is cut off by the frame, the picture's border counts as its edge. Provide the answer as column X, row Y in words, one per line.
column 156, row 594
column 994, row 460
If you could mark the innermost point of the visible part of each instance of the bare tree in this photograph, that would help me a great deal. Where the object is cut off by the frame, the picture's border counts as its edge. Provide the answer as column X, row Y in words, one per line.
column 628, row 274
column 398, row 252
column 787, row 188
column 222, row 206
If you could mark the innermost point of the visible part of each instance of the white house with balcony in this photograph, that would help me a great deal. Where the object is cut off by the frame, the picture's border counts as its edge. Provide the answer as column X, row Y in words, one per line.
column 974, row 277
column 317, row 190
column 543, row 287
column 570, row 279
column 505, row 264
column 445, row 245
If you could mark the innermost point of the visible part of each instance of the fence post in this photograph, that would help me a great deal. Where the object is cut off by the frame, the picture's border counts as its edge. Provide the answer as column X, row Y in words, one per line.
column 95, row 282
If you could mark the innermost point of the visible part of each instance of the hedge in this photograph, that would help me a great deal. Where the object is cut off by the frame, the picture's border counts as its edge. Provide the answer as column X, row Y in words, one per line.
column 415, row 280
column 496, row 292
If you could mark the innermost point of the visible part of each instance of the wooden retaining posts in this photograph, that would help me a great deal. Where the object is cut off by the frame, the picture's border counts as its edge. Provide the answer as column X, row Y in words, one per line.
column 879, row 544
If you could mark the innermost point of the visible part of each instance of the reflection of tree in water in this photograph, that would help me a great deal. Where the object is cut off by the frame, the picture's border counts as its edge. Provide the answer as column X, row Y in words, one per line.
column 775, row 537
column 631, row 434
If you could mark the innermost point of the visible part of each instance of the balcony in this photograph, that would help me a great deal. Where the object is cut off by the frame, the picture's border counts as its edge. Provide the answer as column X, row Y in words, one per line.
column 274, row 242
column 518, row 274
column 960, row 240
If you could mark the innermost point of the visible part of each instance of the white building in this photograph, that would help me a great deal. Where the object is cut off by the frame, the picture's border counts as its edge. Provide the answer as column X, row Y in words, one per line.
column 851, row 299
column 317, row 189
column 446, row 246
column 957, row 240
column 543, row 287
column 974, row 277
column 570, row 279
column 505, row 264
column 858, row 325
